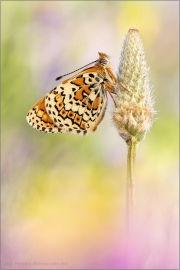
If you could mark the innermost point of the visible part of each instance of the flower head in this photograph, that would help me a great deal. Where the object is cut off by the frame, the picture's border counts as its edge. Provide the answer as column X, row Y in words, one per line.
column 134, row 112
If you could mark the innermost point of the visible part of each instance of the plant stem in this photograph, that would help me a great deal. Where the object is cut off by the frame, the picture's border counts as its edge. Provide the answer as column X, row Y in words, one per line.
column 132, row 147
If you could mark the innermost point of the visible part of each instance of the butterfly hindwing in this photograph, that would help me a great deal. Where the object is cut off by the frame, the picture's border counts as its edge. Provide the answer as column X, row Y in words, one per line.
column 76, row 106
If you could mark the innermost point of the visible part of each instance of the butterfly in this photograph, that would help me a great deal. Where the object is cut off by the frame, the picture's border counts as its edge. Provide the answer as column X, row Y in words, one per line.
column 79, row 103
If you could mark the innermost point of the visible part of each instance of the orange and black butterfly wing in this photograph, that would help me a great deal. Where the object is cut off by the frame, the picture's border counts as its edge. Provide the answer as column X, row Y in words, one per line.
column 76, row 106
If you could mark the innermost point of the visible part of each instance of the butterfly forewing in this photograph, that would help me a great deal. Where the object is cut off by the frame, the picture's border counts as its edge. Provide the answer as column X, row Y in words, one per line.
column 38, row 118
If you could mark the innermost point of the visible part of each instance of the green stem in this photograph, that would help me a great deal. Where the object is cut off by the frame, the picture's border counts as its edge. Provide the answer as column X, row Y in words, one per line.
column 132, row 147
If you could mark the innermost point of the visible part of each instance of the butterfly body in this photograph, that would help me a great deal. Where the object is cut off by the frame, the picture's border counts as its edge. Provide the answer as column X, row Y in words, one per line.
column 78, row 104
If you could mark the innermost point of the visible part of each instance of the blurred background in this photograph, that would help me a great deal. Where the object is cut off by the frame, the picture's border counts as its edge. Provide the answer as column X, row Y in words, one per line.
column 63, row 196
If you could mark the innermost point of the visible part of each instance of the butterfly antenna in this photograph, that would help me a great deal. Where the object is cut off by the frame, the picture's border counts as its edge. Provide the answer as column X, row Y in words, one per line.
column 58, row 78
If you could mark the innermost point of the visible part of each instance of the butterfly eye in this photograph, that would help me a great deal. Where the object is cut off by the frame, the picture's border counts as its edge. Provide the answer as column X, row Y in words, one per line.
column 103, row 61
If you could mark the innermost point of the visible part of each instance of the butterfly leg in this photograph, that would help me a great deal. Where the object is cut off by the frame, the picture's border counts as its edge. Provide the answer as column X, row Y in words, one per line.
column 108, row 87
column 116, row 80
column 123, row 86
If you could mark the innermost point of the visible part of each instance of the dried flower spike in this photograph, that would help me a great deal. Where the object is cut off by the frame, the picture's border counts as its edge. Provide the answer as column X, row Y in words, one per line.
column 134, row 113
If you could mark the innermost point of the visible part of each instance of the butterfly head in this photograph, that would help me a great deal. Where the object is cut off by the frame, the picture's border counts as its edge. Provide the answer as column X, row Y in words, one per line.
column 103, row 59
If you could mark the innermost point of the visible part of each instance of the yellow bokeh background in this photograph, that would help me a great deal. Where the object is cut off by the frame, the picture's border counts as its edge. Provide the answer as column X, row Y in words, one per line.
column 63, row 196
